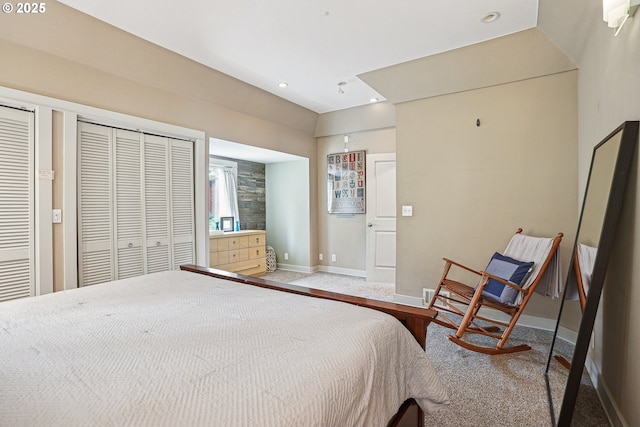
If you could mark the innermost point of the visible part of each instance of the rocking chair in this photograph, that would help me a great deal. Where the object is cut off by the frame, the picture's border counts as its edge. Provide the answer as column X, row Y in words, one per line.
column 504, row 287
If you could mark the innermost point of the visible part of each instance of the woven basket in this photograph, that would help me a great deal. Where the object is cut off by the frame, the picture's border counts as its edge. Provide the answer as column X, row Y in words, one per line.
column 271, row 259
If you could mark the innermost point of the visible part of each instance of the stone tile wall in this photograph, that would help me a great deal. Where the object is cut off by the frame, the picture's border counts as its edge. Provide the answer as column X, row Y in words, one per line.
column 251, row 194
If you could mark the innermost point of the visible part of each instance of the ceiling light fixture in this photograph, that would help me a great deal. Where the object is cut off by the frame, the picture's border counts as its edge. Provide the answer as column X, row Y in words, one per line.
column 283, row 84
column 373, row 100
column 340, row 86
column 490, row 17
column 616, row 12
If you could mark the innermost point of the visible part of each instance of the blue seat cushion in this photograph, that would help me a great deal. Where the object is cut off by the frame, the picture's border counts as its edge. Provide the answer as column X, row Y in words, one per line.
column 509, row 269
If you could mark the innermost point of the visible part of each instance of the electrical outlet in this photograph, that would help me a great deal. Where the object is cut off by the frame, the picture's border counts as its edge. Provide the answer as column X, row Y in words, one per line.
column 427, row 294
column 286, row 256
column 333, row 257
column 320, row 257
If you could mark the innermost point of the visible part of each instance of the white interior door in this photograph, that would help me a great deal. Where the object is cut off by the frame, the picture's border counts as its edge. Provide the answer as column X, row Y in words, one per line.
column 381, row 218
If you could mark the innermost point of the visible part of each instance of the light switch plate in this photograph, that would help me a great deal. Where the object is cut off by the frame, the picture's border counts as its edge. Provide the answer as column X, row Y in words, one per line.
column 407, row 211
column 56, row 216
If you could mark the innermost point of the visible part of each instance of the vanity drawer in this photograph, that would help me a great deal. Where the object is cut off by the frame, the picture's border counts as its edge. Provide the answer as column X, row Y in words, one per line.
column 222, row 245
column 257, row 252
column 238, row 242
column 236, row 255
column 241, row 252
column 252, row 267
column 257, row 240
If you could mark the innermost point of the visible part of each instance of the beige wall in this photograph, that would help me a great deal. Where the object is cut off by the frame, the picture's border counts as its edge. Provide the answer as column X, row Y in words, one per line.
column 69, row 56
column 346, row 236
column 609, row 93
column 471, row 187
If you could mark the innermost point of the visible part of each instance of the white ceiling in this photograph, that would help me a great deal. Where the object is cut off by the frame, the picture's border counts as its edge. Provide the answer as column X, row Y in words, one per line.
column 311, row 44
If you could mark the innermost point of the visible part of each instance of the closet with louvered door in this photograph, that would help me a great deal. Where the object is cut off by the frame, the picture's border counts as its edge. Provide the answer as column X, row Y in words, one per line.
column 16, row 203
column 149, row 188
column 182, row 202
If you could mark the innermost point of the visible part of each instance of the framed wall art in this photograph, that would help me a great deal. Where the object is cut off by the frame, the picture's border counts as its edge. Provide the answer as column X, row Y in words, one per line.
column 346, row 182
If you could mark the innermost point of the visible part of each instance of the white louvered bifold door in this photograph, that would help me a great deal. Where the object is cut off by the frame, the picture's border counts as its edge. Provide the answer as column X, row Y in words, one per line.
column 135, row 204
column 182, row 214
column 95, row 202
column 16, row 203
column 156, row 203
column 128, row 204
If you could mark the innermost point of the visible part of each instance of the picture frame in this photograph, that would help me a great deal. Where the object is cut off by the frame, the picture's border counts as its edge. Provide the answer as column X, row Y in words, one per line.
column 346, row 182
column 226, row 223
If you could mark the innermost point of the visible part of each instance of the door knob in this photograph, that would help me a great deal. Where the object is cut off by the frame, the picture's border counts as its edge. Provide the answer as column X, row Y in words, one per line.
column 369, row 225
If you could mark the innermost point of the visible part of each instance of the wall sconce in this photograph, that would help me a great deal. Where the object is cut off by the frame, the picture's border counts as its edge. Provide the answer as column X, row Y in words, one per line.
column 616, row 12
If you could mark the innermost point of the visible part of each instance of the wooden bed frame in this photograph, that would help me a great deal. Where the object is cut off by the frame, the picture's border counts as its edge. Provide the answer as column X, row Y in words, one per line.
column 415, row 319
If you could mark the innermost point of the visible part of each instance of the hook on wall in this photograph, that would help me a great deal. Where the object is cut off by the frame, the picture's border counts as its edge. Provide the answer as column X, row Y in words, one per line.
column 478, row 122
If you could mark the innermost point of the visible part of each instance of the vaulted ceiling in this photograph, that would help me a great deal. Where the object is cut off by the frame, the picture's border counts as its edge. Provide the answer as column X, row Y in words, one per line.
column 313, row 45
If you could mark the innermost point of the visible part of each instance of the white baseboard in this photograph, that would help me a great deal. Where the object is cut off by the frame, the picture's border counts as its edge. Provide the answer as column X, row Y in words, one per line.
column 537, row 322
column 323, row 268
column 408, row 300
column 339, row 270
column 609, row 404
column 524, row 320
column 296, row 268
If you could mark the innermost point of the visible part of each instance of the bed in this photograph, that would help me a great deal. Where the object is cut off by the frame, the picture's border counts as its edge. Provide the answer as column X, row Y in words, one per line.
column 203, row 347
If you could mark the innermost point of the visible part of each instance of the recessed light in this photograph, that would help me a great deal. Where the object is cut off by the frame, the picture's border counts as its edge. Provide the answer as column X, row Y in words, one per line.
column 373, row 99
column 490, row 17
column 283, row 84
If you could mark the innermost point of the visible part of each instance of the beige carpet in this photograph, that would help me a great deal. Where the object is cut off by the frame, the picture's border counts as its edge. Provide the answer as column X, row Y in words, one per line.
column 503, row 390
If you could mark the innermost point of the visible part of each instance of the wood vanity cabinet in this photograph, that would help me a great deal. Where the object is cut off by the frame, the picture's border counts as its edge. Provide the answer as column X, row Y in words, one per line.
column 242, row 252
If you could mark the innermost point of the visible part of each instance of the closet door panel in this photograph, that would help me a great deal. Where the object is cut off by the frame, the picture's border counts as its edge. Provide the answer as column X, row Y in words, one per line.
column 156, row 203
column 182, row 214
column 94, row 204
column 128, row 204
column 136, row 203
column 16, row 203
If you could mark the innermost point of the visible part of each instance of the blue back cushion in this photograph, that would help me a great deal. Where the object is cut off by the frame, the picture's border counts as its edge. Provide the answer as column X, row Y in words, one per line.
column 508, row 269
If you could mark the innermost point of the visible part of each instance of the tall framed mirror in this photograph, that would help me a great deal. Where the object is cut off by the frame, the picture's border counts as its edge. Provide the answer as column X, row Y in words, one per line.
column 610, row 165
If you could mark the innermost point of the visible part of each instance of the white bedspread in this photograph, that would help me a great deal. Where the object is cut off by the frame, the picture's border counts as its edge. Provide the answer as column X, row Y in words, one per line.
column 182, row 349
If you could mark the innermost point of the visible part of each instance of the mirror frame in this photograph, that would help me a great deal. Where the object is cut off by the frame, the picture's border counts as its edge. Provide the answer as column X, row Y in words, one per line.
column 628, row 142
